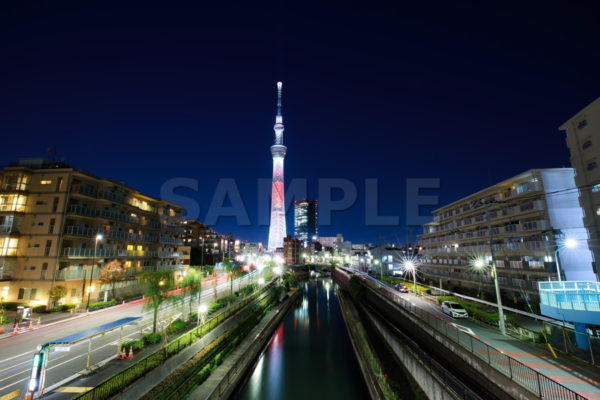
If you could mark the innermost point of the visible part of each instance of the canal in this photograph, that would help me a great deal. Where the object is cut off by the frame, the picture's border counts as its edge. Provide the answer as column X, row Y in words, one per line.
column 310, row 355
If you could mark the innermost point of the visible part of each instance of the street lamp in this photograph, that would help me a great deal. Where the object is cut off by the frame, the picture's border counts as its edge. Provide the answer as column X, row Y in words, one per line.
column 568, row 243
column 377, row 262
column 480, row 264
column 97, row 239
column 410, row 266
column 202, row 309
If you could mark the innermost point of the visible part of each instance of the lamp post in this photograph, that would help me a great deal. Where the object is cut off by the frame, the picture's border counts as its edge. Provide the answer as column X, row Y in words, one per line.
column 569, row 243
column 377, row 262
column 480, row 264
column 96, row 240
column 410, row 266
column 202, row 309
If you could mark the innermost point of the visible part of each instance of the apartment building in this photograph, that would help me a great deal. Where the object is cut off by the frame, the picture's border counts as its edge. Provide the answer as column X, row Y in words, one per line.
column 293, row 250
column 207, row 245
column 61, row 226
column 583, row 139
column 530, row 216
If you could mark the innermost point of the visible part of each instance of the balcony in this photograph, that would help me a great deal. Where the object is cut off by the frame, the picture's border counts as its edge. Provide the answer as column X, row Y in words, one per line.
column 84, row 190
column 175, row 228
column 8, row 229
column 72, row 252
column 169, row 254
column 171, row 240
column 76, row 274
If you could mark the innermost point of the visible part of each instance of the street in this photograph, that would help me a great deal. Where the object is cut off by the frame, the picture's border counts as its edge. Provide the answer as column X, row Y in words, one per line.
column 15, row 366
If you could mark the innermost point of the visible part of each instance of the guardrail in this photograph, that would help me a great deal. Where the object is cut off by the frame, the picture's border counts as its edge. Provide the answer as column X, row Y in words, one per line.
column 528, row 378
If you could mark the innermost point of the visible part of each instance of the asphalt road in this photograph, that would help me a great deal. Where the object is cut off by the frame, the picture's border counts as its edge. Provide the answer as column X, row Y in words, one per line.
column 16, row 352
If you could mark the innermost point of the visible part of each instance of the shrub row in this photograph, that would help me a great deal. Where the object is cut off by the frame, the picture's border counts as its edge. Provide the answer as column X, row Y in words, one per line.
column 11, row 305
column 102, row 304
column 176, row 326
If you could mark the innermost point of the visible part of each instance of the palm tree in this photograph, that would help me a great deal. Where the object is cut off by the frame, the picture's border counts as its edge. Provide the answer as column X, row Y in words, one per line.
column 156, row 285
column 191, row 285
column 233, row 268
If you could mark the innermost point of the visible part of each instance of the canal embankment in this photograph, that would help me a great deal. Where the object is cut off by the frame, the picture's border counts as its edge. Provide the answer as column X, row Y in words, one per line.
column 228, row 376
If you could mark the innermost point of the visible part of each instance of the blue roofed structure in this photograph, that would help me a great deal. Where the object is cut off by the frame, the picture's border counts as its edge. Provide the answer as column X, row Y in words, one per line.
column 88, row 333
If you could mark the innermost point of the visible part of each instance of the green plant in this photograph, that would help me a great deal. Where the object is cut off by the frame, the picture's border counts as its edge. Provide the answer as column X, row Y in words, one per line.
column 4, row 319
column 11, row 305
column 67, row 307
column 151, row 338
column 157, row 285
column 136, row 345
column 176, row 326
column 39, row 309
column 56, row 293
column 102, row 304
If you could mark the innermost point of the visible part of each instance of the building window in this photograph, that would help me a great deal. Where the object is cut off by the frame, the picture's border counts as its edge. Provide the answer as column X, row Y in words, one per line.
column 29, row 268
column 12, row 202
column 59, row 183
column 51, row 226
column 40, row 203
column 21, row 295
column 582, row 124
column 55, row 204
column 46, row 182
column 15, row 182
column 8, row 246
column 591, row 166
column 44, row 271
column 596, row 188
column 522, row 188
column 597, row 210
column 586, row 145
column 48, row 247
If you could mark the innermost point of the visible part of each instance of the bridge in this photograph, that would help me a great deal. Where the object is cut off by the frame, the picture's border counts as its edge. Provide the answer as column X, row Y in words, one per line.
column 464, row 359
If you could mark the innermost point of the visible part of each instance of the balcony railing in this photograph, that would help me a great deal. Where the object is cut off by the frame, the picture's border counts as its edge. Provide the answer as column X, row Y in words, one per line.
column 171, row 240
column 5, row 229
column 72, row 252
column 571, row 295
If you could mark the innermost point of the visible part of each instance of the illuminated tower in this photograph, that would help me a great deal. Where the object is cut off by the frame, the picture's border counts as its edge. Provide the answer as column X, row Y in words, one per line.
column 277, row 229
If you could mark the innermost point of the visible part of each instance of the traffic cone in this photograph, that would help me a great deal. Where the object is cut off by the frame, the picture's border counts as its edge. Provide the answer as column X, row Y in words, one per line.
column 39, row 322
column 130, row 355
column 123, row 355
column 30, row 325
column 15, row 330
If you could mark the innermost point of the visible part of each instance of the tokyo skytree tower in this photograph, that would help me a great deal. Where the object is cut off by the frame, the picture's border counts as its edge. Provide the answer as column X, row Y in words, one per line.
column 277, row 229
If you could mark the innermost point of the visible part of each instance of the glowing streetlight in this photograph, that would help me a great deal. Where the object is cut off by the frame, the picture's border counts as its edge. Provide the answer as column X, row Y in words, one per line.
column 569, row 243
column 261, row 281
column 410, row 266
column 98, row 238
column 480, row 264
column 202, row 309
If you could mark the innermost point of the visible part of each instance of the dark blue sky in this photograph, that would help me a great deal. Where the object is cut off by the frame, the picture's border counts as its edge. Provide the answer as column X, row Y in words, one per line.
column 467, row 93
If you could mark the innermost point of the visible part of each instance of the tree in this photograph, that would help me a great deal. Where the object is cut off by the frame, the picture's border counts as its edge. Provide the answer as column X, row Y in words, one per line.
column 112, row 273
column 233, row 268
column 57, row 293
column 210, row 270
column 156, row 286
column 191, row 285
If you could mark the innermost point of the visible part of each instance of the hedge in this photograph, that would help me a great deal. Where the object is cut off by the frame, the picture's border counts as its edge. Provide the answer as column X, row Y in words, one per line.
column 176, row 326
column 136, row 345
column 11, row 305
column 477, row 312
column 151, row 338
column 102, row 304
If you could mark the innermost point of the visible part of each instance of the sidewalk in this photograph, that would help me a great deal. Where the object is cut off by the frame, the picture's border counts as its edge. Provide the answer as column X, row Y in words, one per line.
column 573, row 375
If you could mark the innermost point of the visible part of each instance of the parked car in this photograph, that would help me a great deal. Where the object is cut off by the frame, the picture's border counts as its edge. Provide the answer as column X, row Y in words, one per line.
column 401, row 288
column 454, row 309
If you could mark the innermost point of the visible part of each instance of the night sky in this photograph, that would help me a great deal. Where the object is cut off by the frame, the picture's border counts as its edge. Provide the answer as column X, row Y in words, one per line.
column 467, row 93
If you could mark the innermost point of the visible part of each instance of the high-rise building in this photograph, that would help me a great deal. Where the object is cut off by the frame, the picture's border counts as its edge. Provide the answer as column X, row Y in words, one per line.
column 521, row 222
column 305, row 220
column 207, row 246
column 61, row 226
column 277, row 230
column 583, row 140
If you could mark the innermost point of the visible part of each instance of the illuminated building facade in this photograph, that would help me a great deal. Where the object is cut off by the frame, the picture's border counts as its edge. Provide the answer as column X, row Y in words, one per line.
column 277, row 229
column 530, row 215
column 51, row 216
column 305, row 220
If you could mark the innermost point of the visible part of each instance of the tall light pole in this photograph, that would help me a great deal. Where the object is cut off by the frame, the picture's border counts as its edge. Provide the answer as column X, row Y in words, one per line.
column 494, row 272
column 569, row 243
column 410, row 266
column 480, row 264
column 96, row 240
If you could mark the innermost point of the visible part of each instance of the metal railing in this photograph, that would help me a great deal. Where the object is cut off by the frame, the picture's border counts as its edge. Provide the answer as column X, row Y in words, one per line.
column 537, row 383
column 571, row 295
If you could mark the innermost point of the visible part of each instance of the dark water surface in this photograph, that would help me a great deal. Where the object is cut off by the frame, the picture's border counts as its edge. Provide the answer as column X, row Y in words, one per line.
column 310, row 356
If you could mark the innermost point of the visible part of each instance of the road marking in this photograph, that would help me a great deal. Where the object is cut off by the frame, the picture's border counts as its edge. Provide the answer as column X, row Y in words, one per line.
column 11, row 395
column 463, row 328
column 72, row 389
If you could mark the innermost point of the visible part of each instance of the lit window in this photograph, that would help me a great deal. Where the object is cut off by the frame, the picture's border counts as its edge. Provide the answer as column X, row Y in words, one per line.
column 12, row 202
column 596, row 188
column 598, row 211
column 46, row 182
column 8, row 246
